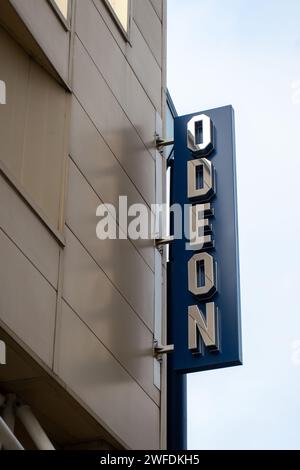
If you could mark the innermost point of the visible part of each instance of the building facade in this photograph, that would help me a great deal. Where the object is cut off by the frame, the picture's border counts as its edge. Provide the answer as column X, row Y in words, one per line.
column 85, row 99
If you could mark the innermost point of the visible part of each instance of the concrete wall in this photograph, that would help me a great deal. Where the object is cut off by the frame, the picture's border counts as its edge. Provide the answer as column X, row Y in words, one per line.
column 86, row 310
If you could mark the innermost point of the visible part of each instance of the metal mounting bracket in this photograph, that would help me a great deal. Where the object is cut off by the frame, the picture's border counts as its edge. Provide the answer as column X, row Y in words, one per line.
column 163, row 143
column 159, row 349
column 164, row 241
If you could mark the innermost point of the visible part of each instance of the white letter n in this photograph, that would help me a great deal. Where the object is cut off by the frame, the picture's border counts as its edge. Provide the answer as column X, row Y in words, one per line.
column 207, row 329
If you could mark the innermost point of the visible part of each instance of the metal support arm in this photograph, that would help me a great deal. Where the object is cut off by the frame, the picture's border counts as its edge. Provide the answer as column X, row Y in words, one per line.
column 7, row 438
column 163, row 143
column 159, row 349
column 34, row 428
column 164, row 241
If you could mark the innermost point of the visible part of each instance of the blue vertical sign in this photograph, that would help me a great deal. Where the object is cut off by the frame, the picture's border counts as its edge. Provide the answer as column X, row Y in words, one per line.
column 204, row 300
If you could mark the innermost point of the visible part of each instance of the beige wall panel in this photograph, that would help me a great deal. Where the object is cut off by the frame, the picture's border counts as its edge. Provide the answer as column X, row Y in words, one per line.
column 158, row 7
column 27, row 301
column 145, row 66
column 138, row 55
column 90, row 293
column 43, row 159
column 15, row 67
column 33, row 128
column 96, row 377
column 112, row 25
column 103, row 170
column 96, row 98
column 119, row 259
column 47, row 30
column 116, row 71
column 148, row 22
column 150, row 26
column 27, row 231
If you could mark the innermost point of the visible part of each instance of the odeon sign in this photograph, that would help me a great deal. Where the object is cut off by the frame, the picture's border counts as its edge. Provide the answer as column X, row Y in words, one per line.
column 201, row 267
column 204, row 305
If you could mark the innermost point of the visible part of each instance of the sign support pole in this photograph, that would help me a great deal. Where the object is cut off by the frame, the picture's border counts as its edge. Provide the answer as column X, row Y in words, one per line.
column 176, row 410
column 176, row 382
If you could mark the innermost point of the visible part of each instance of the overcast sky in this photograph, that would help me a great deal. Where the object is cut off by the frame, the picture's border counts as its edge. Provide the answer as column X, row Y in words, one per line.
column 248, row 54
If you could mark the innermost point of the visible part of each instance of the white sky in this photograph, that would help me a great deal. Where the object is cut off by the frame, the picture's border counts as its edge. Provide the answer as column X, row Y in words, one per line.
column 248, row 54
